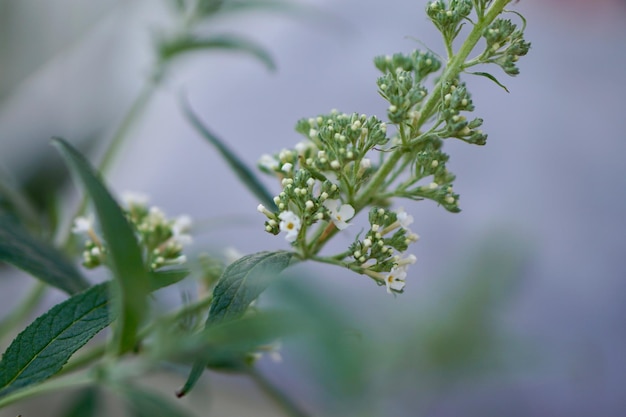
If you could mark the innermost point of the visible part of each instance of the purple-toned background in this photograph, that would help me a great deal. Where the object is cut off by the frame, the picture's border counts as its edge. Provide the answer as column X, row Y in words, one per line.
column 552, row 175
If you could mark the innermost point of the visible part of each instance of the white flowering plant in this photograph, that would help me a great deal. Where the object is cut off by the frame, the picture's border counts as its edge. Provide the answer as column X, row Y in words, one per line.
column 347, row 165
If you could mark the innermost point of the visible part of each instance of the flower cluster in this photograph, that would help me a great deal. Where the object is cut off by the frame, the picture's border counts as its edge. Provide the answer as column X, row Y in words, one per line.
column 161, row 238
column 322, row 175
column 505, row 45
column 348, row 163
column 381, row 253
column 449, row 18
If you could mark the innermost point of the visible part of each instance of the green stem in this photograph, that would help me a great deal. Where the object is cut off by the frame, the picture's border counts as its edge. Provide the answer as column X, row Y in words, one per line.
column 327, row 260
column 279, row 397
column 49, row 386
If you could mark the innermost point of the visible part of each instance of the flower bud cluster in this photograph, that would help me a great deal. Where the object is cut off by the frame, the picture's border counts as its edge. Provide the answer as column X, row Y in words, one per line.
column 300, row 203
column 401, row 83
column 342, row 142
column 323, row 172
column 456, row 99
column 421, row 64
column 448, row 18
column 161, row 238
column 505, row 44
column 380, row 253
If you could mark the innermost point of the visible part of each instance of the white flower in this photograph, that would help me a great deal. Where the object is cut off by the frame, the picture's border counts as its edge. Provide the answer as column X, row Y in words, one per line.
column 181, row 226
column 394, row 279
column 290, row 223
column 83, row 225
column 131, row 198
column 303, row 146
column 339, row 214
column 268, row 162
column 404, row 218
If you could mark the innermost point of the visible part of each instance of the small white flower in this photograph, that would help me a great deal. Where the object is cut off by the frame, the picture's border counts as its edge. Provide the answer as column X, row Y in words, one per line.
column 131, row 198
column 287, row 167
column 408, row 260
column 181, row 224
column 83, row 225
column 395, row 279
column 268, row 162
column 339, row 214
column 404, row 218
column 180, row 227
column 365, row 163
column 289, row 223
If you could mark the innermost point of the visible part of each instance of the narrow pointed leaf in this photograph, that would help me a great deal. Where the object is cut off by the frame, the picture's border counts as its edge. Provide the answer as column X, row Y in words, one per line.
column 240, row 284
column 41, row 260
column 132, row 282
column 238, row 166
column 184, row 44
column 492, row 78
column 42, row 349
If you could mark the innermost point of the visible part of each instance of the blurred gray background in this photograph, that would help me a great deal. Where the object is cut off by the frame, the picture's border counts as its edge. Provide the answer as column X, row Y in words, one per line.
column 549, row 187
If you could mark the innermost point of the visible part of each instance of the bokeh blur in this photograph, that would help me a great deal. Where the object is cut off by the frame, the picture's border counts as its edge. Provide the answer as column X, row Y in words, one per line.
column 516, row 305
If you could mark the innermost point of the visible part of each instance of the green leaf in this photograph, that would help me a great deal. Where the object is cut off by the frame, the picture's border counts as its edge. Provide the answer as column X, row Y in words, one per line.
column 43, row 261
column 42, row 349
column 132, row 282
column 241, row 283
column 143, row 403
column 492, row 78
column 189, row 43
column 162, row 279
column 238, row 166
column 85, row 404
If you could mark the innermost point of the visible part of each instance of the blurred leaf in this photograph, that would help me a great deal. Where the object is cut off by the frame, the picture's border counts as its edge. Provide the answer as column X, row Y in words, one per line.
column 241, row 283
column 18, row 204
column 332, row 350
column 85, row 404
column 226, row 346
column 43, row 261
column 208, row 7
column 132, row 282
column 237, row 165
column 461, row 335
column 274, row 5
column 42, row 349
column 162, row 279
column 189, row 43
column 143, row 403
